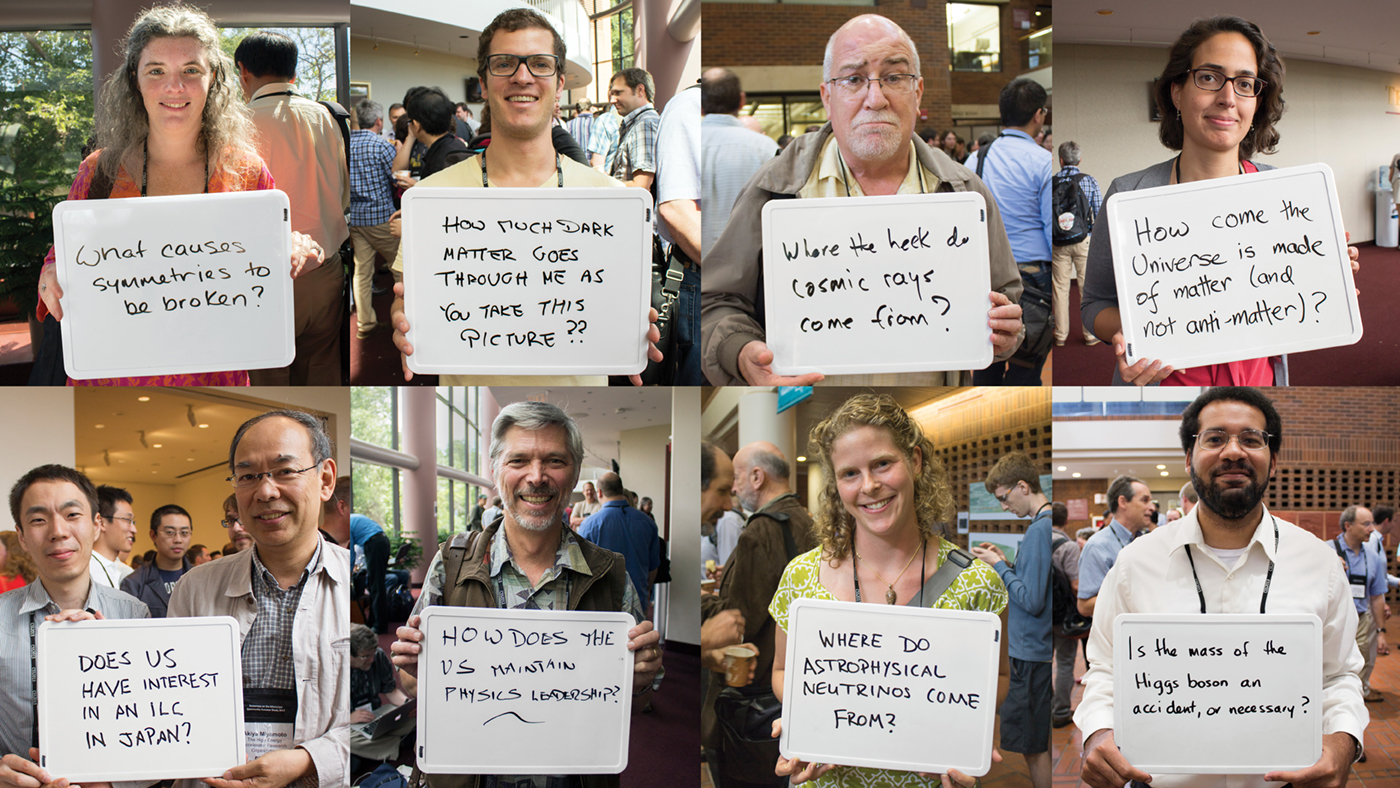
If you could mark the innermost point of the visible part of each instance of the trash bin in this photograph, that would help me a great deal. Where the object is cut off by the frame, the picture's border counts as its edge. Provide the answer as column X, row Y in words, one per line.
column 1387, row 218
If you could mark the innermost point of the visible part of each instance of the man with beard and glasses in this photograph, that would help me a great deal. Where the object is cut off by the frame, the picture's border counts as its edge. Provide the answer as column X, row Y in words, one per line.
column 1366, row 574
column 871, row 89
column 1231, row 437
column 531, row 560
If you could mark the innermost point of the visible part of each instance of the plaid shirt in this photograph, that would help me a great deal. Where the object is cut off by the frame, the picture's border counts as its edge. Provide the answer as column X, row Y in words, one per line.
column 1088, row 185
column 602, row 138
column 371, row 179
column 636, row 148
column 267, row 648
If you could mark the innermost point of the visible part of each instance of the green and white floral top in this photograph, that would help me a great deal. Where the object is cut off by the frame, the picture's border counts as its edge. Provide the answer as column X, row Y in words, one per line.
column 978, row 587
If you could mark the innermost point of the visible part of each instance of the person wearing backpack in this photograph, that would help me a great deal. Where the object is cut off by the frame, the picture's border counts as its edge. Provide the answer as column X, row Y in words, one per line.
column 1069, row 627
column 1075, row 201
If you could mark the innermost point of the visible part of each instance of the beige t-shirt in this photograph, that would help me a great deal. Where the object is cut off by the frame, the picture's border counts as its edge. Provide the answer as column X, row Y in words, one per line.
column 467, row 173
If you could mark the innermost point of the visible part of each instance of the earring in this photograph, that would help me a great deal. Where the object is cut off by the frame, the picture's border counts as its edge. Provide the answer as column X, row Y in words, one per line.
column 1178, row 114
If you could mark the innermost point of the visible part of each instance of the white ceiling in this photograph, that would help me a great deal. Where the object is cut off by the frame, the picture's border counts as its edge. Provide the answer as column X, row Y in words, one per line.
column 1362, row 33
column 602, row 414
column 58, row 14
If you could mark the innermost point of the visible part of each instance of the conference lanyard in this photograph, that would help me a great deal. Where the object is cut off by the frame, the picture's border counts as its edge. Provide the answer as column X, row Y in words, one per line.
column 34, row 675
column 558, row 168
column 1268, row 579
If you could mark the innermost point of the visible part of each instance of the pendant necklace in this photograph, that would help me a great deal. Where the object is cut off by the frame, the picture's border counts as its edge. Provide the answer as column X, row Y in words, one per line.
column 890, row 595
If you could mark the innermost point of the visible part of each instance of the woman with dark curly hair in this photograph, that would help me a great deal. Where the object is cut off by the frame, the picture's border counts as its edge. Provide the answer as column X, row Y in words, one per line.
column 880, row 518
column 172, row 120
column 1219, row 97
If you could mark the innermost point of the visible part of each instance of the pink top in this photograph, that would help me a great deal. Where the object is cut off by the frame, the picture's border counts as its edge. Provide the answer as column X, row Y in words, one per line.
column 252, row 178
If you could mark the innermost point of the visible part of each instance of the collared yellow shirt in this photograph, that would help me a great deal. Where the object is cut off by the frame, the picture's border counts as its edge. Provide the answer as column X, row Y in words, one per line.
column 830, row 179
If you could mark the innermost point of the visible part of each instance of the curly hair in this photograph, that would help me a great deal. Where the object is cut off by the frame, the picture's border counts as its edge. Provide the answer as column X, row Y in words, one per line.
column 933, row 499
column 1262, row 136
column 17, row 560
column 226, row 128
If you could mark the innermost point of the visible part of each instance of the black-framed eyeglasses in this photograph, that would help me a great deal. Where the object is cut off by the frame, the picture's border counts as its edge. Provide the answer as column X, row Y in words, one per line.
column 1249, row 440
column 506, row 65
column 1245, row 85
column 280, row 477
column 230, row 522
column 857, row 84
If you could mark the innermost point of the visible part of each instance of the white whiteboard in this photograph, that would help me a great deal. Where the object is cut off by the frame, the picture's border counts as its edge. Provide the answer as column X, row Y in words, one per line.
column 1218, row 694
column 527, row 281
column 140, row 699
column 892, row 687
column 174, row 285
column 877, row 284
column 1233, row 268
column 496, row 686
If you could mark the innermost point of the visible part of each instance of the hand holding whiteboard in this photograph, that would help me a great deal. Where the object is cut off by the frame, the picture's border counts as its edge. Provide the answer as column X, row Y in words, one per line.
column 877, row 284
column 1233, row 268
column 140, row 699
column 908, row 689
column 523, row 691
column 173, row 285
column 1218, row 694
column 527, row 281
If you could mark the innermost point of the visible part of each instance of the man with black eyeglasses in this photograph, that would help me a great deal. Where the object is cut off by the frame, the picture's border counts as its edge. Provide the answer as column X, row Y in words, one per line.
column 116, row 526
column 290, row 593
column 238, row 536
column 171, row 530
column 520, row 60
column 1229, row 555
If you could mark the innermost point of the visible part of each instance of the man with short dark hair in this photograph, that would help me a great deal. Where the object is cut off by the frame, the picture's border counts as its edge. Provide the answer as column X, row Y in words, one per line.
column 477, row 512
column 116, row 525
column 619, row 527
column 300, row 143
column 430, row 122
column 53, row 508
column 868, row 148
column 465, row 126
column 632, row 92
column 238, row 537
column 1217, row 560
column 1026, row 713
column 1017, row 171
column 371, row 208
column 730, row 153
column 335, row 514
column 171, row 529
column 290, row 593
column 530, row 560
column 716, row 482
column 1129, row 501
column 1075, row 203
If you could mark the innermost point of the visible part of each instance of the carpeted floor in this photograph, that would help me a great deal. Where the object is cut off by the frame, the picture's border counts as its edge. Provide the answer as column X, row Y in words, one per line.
column 1374, row 361
column 374, row 361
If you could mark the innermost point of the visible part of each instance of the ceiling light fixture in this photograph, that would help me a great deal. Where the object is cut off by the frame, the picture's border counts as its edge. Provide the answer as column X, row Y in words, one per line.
column 143, row 399
column 1062, row 468
column 1075, row 474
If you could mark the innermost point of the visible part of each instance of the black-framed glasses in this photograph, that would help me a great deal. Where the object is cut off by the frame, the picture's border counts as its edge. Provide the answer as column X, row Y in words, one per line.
column 1245, row 85
column 279, row 477
column 506, row 65
column 1249, row 440
column 857, row 84
column 229, row 523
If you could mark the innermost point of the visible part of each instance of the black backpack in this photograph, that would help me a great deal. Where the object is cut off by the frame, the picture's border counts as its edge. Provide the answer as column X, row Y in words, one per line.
column 1067, row 618
column 1073, row 214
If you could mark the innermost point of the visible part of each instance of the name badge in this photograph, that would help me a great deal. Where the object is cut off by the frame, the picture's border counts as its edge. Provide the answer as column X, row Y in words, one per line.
column 1358, row 591
column 269, row 720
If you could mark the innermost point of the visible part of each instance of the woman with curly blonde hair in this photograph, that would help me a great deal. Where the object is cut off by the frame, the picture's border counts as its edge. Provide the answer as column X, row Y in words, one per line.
column 16, row 568
column 882, row 512
column 172, row 120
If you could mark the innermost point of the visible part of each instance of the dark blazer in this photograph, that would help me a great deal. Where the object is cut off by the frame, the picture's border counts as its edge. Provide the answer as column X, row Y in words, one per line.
column 145, row 584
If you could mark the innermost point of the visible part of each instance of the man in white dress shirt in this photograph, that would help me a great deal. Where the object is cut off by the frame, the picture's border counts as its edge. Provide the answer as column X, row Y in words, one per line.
column 1231, row 437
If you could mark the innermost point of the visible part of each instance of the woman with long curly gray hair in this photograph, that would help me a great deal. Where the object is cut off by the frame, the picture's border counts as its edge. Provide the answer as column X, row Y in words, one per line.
column 171, row 120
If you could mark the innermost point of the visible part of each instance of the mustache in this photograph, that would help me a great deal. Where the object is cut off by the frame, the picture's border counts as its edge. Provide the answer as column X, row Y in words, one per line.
column 1239, row 466
column 878, row 116
column 546, row 489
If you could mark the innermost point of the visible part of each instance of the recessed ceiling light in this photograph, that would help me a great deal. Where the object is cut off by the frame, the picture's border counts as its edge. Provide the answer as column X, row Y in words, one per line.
column 99, row 426
column 1075, row 474
column 1161, row 467
column 155, row 445
column 189, row 459
column 143, row 399
column 1164, row 473
column 802, row 458
column 1062, row 468
column 204, row 426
